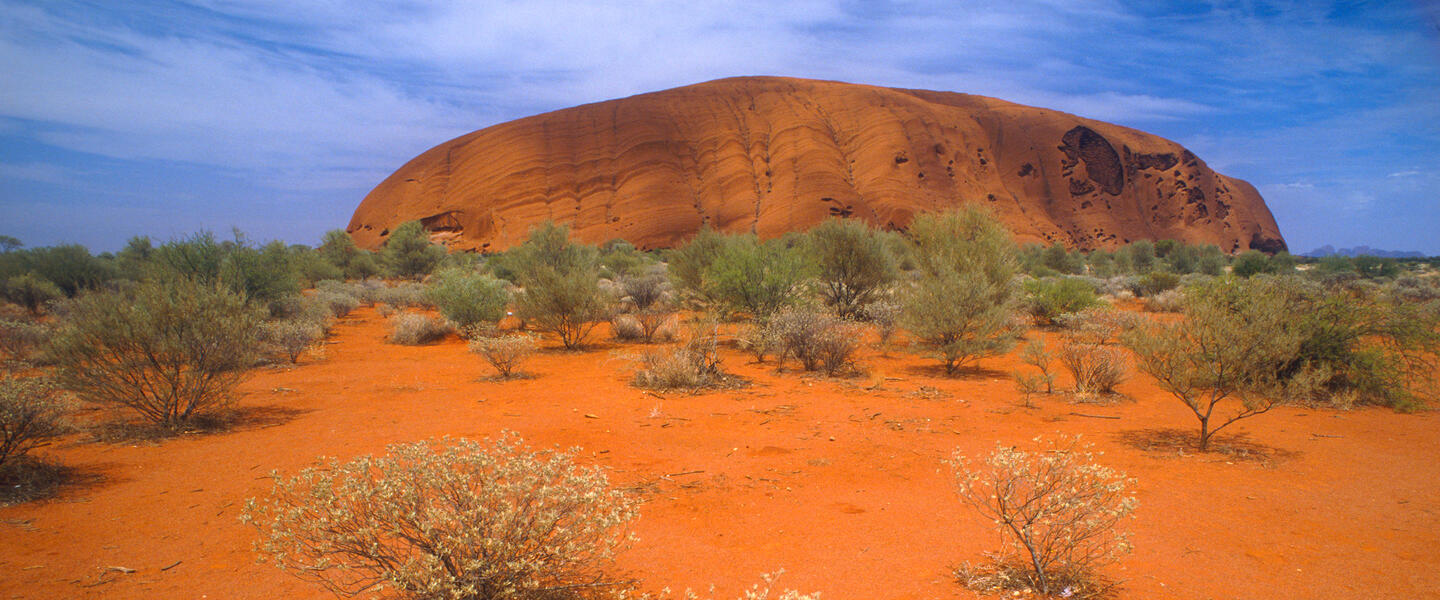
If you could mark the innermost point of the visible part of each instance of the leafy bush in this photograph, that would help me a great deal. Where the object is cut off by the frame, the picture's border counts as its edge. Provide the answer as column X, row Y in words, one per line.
column 687, row 264
column 646, row 290
column 505, row 353
column 1059, row 513
column 467, row 297
column 755, row 278
column 167, row 350
column 561, row 292
column 853, row 263
column 409, row 253
column 1156, row 282
column 1096, row 369
column 414, row 329
column 1049, row 299
column 30, row 415
column 291, row 337
column 963, row 303
column 449, row 519
column 30, row 291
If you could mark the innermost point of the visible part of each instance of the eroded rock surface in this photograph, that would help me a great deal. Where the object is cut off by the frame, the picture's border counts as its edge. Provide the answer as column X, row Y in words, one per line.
column 772, row 155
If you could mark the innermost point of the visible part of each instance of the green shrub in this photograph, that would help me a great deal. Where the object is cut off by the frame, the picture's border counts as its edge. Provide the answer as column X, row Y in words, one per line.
column 687, row 264
column 1156, row 282
column 756, row 278
column 853, row 264
column 561, row 286
column 449, row 519
column 169, row 351
column 31, row 291
column 962, row 305
column 468, row 297
column 409, row 253
column 30, row 415
column 1059, row 513
column 1049, row 299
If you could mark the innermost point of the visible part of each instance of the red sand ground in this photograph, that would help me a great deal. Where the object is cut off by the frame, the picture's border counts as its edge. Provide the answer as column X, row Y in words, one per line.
column 840, row 485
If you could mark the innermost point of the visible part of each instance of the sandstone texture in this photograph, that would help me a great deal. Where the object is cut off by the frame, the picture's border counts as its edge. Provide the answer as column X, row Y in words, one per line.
column 772, row 155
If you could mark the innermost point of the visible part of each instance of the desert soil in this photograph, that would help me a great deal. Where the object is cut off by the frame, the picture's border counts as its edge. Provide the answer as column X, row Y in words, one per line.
column 840, row 482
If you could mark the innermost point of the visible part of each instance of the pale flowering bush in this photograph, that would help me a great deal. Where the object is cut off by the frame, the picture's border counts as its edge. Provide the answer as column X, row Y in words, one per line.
column 506, row 352
column 415, row 329
column 291, row 337
column 449, row 519
column 1058, row 511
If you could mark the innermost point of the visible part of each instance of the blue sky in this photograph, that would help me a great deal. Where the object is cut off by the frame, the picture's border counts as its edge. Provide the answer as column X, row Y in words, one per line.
column 167, row 117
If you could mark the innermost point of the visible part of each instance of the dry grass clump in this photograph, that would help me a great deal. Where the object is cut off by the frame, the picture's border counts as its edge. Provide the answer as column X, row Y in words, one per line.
column 505, row 352
column 1096, row 369
column 692, row 365
column 452, row 519
column 644, row 326
column 414, row 329
column 1059, row 514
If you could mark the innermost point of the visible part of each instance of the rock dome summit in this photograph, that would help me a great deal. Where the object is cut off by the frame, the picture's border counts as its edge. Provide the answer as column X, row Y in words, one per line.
column 771, row 155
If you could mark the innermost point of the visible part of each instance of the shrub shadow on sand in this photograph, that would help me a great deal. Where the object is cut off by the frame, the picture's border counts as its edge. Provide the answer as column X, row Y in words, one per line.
column 1234, row 447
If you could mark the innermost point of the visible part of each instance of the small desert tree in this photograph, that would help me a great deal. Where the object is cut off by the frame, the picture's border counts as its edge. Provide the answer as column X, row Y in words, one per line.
column 962, row 306
column 561, row 284
column 853, row 264
column 1058, row 511
column 453, row 519
column 1233, row 344
column 168, row 350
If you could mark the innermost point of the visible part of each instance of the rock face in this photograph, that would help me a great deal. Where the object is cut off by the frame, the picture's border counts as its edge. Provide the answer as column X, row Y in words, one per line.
column 773, row 155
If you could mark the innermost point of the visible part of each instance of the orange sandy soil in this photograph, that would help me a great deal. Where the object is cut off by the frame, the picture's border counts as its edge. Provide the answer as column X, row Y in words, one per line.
column 840, row 485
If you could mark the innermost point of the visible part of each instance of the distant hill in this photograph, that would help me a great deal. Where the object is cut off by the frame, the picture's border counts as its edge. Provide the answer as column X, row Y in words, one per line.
column 1328, row 250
